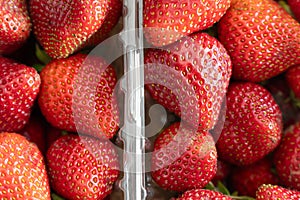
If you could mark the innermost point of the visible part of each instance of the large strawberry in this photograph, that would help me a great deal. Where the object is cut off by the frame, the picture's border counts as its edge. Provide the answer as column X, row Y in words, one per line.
column 19, row 86
column 247, row 179
column 15, row 25
column 286, row 157
column 82, row 167
column 275, row 192
column 167, row 21
column 295, row 7
column 202, row 194
column 62, row 27
column 22, row 169
column 262, row 39
column 77, row 95
column 253, row 124
column 190, row 78
column 183, row 158
column 292, row 76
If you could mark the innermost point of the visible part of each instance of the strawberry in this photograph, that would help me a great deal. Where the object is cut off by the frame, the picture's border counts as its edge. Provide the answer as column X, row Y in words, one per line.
column 82, row 167
column 286, row 157
column 262, row 39
column 253, row 124
column 223, row 170
column 295, row 7
column 292, row 76
column 275, row 192
column 183, row 158
column 247, row 179
column 77, row 95
column 190, row 78
column 203, row 194
column 22, row 169
column 19, row 86
column 62, row 27
column 167, row 21
column 15, row 25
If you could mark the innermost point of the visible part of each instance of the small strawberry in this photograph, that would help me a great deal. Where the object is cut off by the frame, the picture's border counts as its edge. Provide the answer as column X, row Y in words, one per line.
column 295, row 7
column 286, row 157
column 203, row 194
column 22, row 169
column 19, row 86
column 15, row 25
column 253, row 124
column 262, row 39
column 247, row 179
column 82, row 167
column 183, row 158
column 167, row 21
column 292, row 76
column 62, row 27
column 77, row 95
column 275, row 192
column 190, row 78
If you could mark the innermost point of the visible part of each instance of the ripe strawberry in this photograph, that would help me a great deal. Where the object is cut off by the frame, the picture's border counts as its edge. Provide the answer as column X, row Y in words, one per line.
column 262, row 39
column 203, row 194
column 19, row 86
column 247, row 179
column 292, row 76
column 63, row 27
column 275, row 192
column 286, row 157
column 253, row 124
column 167, row 21
column 190, row 78
column 15, row 25
column 183, row 158
column 295, row 7
column 77, row 95
column 82, row 167
column 22, row 169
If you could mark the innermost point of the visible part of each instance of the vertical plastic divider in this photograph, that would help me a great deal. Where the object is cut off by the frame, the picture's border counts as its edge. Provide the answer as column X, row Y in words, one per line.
column 133, row 132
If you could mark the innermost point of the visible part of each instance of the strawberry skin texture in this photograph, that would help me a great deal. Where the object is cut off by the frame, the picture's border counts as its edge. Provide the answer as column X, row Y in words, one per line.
column 262, row 39
column 167, row 21
column 19, row 87
column 286, row 157
column 23, row 172
column 183, row 159
column 15, row 25
column 295, row 7
column 292, row 77
column 247, row 179
column 190, row 78
column 82, row 167
column 275, row 192
column 202, row 194
column 253, row 124
column 61, row 27
column 77, row 95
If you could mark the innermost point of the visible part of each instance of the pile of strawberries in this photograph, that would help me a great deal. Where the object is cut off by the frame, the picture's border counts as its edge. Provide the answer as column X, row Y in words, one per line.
column 227, row 72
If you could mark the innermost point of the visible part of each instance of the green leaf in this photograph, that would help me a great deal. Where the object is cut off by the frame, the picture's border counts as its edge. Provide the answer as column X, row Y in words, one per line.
column 41, row 55
column 56, row 197
column 210, row 186
column 222, row 188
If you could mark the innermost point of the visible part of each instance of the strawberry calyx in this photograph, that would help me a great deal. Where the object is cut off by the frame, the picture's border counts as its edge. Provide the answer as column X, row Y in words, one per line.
column 56, row 197
column 41, row 55
column 294, row 99
column 286, row 7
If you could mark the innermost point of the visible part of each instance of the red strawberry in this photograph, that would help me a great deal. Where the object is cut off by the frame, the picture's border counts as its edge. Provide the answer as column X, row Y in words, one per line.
column 167, row 21
column 22, row 169
column 253, row 124
column 203, row 194
column 190, row 78
column 247, row 179
column 262, row 39
column 62, row 27
column 15, row 25
column 275, row 192
column 82, row 167
column 295, row 7
column 19, row 86
column 286, row 157
column 77, row 95
column 292, row 76
column 183, row 158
